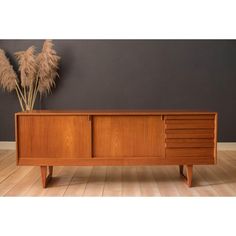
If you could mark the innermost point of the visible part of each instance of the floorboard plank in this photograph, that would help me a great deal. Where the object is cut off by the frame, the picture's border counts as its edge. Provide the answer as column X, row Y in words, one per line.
column 148, row 184
column 13, row 179
column 79, row 181
column 96, row 181
column 164, row 181
column 9, row 158
column 7, row 171
column 130, row 183
column 215, row 182
column 4, row 153
column 24, row 184
column 202, row 185
column 113, row 184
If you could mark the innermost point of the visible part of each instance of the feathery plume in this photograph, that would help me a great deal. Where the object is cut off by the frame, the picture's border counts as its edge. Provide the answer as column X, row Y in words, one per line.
column 37, row 73
column 8, row 76
column 48, row 61
column 27, row 66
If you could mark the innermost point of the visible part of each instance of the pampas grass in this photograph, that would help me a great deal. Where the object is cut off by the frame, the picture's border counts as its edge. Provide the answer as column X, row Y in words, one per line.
column 48, row 65
column 37, row 74
column 8, row 76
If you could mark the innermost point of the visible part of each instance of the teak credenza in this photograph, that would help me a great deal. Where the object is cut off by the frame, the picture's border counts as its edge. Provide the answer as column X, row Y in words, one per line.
column 59, row 138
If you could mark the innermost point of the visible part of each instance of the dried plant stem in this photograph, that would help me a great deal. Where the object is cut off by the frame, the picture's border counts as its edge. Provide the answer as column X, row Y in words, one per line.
column 30, row 95
column 34, row 99
column 17, row 85
column 25, row 94
column 35, row 92
column 20, row 100
column 24, row 102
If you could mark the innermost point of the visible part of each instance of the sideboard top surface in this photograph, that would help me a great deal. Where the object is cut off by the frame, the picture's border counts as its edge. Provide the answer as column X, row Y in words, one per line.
column 115, row 112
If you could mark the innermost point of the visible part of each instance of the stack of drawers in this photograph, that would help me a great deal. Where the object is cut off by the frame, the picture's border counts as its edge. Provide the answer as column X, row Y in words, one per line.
column 190, row 136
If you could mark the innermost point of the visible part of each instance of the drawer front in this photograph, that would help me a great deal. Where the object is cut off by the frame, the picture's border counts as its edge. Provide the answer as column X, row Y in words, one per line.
column 189, row 142
column 190, row 152
column 190, row 124
column 190, row 117
column 190, row 136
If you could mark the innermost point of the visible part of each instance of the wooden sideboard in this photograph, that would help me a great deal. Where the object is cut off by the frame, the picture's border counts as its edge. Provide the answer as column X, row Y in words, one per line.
column 106, row 137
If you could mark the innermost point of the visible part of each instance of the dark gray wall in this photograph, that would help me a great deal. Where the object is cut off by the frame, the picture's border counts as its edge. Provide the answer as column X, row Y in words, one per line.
column 137, row 74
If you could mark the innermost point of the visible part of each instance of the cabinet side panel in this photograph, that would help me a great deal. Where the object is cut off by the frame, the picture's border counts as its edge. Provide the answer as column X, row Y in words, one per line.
column 216, row 137
column 16, row 139
column 54, row 136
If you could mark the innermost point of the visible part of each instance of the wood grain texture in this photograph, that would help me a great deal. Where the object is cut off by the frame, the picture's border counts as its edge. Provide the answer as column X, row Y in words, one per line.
column 148, row 185
column 190, row 133
column 59, row 185
column 217, row 180
column 24, row 184
column 54, row 136
column 190, row 117
column 46, row 174
column 189, row 175
column 96, row 182
column 128, row 136
column 6, row 165
column 190, row 152
column 192, row 143
column 36, row 187
column 165, row 182
column 79, row 181
column 130, row 183
column 182, row 189
column 107, row 161
column 43, row 170
column 109, row 138
column 190, row 136
column 189, row 124
column 113, row 183
column 8, row 183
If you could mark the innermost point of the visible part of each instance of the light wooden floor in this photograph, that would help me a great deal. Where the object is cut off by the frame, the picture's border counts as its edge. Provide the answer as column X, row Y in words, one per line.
column 215, row 180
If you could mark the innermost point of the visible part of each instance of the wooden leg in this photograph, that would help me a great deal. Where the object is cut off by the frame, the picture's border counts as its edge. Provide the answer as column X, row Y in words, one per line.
column 181, row 169
column 45, row 178
column 189, row 176
column 44, row 175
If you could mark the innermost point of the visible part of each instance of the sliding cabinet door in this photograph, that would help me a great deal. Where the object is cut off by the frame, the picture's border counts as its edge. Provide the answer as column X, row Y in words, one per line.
column 54, row 136
column 122, row 136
